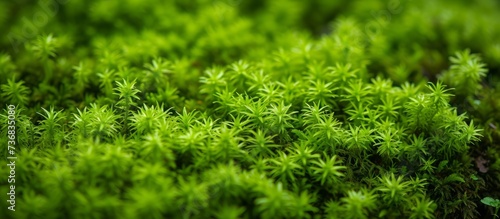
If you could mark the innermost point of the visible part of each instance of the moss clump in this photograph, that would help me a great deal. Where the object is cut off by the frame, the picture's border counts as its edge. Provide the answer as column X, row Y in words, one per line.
column 251, row 109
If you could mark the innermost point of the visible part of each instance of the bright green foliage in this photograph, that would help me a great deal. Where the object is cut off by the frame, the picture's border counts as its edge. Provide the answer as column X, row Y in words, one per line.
column 280, row 120
column 15, row 92
column 393, row 189
column 127, row 94
column 327, row 172
column 251, row 109
column 148, row 118
column 45, row 47
column 285, row 168
column 49, row 128
column 359, row 204
column 423, row 208
column 103, row 122
column 261, row 144
column 493, row 203
column 465, row 73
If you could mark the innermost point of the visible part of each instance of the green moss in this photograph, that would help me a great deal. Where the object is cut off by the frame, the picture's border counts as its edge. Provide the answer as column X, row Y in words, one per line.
column 251, row 109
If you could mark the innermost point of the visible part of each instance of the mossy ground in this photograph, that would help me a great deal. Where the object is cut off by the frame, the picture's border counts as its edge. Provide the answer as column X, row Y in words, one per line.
column 250, row 109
